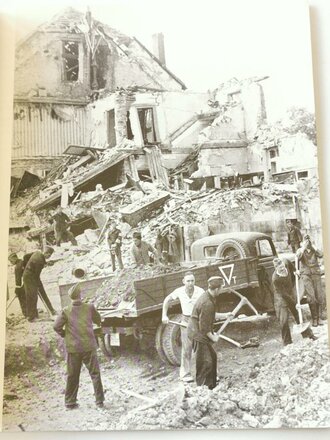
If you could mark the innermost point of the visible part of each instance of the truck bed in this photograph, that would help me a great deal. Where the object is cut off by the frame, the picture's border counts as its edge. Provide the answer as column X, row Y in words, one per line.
column 151, row 292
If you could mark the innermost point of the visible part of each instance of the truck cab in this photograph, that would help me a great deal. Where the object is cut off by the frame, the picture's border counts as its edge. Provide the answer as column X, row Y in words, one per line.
column 237, row 245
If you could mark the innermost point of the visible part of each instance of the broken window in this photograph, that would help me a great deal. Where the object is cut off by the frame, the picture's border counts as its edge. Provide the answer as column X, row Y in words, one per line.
column 302, row 175
column 71, row 60
column 273, row 152
column 147, row 123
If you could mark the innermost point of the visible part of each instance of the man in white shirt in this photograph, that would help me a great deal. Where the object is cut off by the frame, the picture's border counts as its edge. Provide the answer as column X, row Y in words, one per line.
column 188, row 295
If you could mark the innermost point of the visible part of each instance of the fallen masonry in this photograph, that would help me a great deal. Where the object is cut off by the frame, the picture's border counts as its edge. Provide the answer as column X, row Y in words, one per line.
column 290, row 391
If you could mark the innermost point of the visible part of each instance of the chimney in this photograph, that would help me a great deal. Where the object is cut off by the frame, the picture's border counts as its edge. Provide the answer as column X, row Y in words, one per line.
column 158, row 47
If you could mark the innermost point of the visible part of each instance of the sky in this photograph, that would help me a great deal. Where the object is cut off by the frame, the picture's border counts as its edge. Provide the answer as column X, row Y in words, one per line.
column 208, row 42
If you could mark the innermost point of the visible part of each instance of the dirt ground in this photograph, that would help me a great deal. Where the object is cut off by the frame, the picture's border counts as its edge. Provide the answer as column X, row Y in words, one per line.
column 132, row 379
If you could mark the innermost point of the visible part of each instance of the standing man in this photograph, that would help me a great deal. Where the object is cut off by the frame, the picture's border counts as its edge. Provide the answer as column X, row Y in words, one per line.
column 114, row 239
column 140, row 251
column 310, row 272
column 283, row 283
column 200, row 331
column 19, row 288
column 294, row 236
column 75, row 325
column 61, row 228
column 33, row 285
column 188, row 294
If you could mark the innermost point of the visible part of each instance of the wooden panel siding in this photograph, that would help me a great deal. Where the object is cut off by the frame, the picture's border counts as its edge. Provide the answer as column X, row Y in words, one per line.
column 39, row 132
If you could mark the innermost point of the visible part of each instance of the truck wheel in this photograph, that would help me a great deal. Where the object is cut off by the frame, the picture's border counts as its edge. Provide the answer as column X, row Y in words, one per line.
column 159, row 345
column 171, row 341
column 232, row 249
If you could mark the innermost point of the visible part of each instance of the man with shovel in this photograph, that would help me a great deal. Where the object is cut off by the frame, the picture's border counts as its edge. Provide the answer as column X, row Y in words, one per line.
column 283, row 283
column 310, row 273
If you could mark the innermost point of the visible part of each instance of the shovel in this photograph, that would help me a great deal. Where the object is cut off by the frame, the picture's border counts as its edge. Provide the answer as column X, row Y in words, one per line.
column 301, row 327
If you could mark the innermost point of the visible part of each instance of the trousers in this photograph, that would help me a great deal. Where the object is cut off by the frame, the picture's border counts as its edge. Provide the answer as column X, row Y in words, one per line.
column 186, row 350
column 313, row 288
column 20, row 293
column 283, row 307
column 206, row 364
column 33, row 286
column 114, row 254
column 74, row 364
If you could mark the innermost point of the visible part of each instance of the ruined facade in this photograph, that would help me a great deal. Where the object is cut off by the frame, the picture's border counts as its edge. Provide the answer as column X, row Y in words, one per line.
column 60, row 68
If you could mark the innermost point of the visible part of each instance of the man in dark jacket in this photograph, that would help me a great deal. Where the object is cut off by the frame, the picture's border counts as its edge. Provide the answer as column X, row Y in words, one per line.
column 19, row 288
column 200, row 330
column 61, row 228
column 75, row 324
column 294, row 236
column 284, row 302
column 33, row 285
column 114, row 242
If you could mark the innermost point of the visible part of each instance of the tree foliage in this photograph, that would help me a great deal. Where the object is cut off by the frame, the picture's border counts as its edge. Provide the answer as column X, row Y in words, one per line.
column 299, row 120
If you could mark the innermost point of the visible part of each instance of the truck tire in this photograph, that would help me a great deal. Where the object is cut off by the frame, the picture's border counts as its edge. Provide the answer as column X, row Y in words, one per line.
column 171, row 341
column 232, row 249
column 159, row 343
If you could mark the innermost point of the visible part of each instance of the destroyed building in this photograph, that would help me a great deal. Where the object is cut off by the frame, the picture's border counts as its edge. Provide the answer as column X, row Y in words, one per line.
column 62, row 66
column 113, row 129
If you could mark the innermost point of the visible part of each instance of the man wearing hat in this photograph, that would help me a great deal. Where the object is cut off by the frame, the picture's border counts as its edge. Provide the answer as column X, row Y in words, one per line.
column 283, row 283
column 75, row 325
column 200, row 331
column 310, row 272
column 19, row 288
column 33, row 285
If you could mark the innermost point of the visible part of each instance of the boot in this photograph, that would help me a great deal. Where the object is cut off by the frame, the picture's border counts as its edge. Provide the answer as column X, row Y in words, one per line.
column 314, row 314
column 319, row 309
column 308, row 333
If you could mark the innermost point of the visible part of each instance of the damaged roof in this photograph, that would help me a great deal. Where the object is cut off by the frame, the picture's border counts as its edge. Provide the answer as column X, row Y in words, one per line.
column 76, row 22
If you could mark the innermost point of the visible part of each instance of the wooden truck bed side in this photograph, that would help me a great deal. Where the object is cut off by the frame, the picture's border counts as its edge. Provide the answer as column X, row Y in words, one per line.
column 237, row 274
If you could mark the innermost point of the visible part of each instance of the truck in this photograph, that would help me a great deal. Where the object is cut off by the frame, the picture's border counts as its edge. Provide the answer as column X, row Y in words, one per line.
column 244, row 260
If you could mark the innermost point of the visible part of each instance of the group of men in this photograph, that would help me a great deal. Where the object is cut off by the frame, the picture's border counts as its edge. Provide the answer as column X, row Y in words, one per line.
column 199, row 310
column 28, row 285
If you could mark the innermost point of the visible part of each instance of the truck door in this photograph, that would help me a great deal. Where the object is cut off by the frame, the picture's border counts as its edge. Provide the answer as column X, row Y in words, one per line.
column 266, row 252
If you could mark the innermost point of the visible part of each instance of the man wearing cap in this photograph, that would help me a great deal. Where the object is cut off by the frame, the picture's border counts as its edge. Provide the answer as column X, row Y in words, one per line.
column 283, row 283
column 33, row 285
column 310, row 272
column 19, row 288
column 294, row 236
column 200, row 331
column 75, row 324
column 188, row 294
column 61, row 228
column 141, row 251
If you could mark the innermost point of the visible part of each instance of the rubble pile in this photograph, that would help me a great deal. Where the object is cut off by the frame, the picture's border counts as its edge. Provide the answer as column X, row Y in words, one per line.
column 121, row 287
column 290, row 391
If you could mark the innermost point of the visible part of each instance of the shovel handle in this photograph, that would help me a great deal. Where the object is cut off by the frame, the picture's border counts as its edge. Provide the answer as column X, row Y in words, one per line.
column 242, row 302
column 298, row 291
